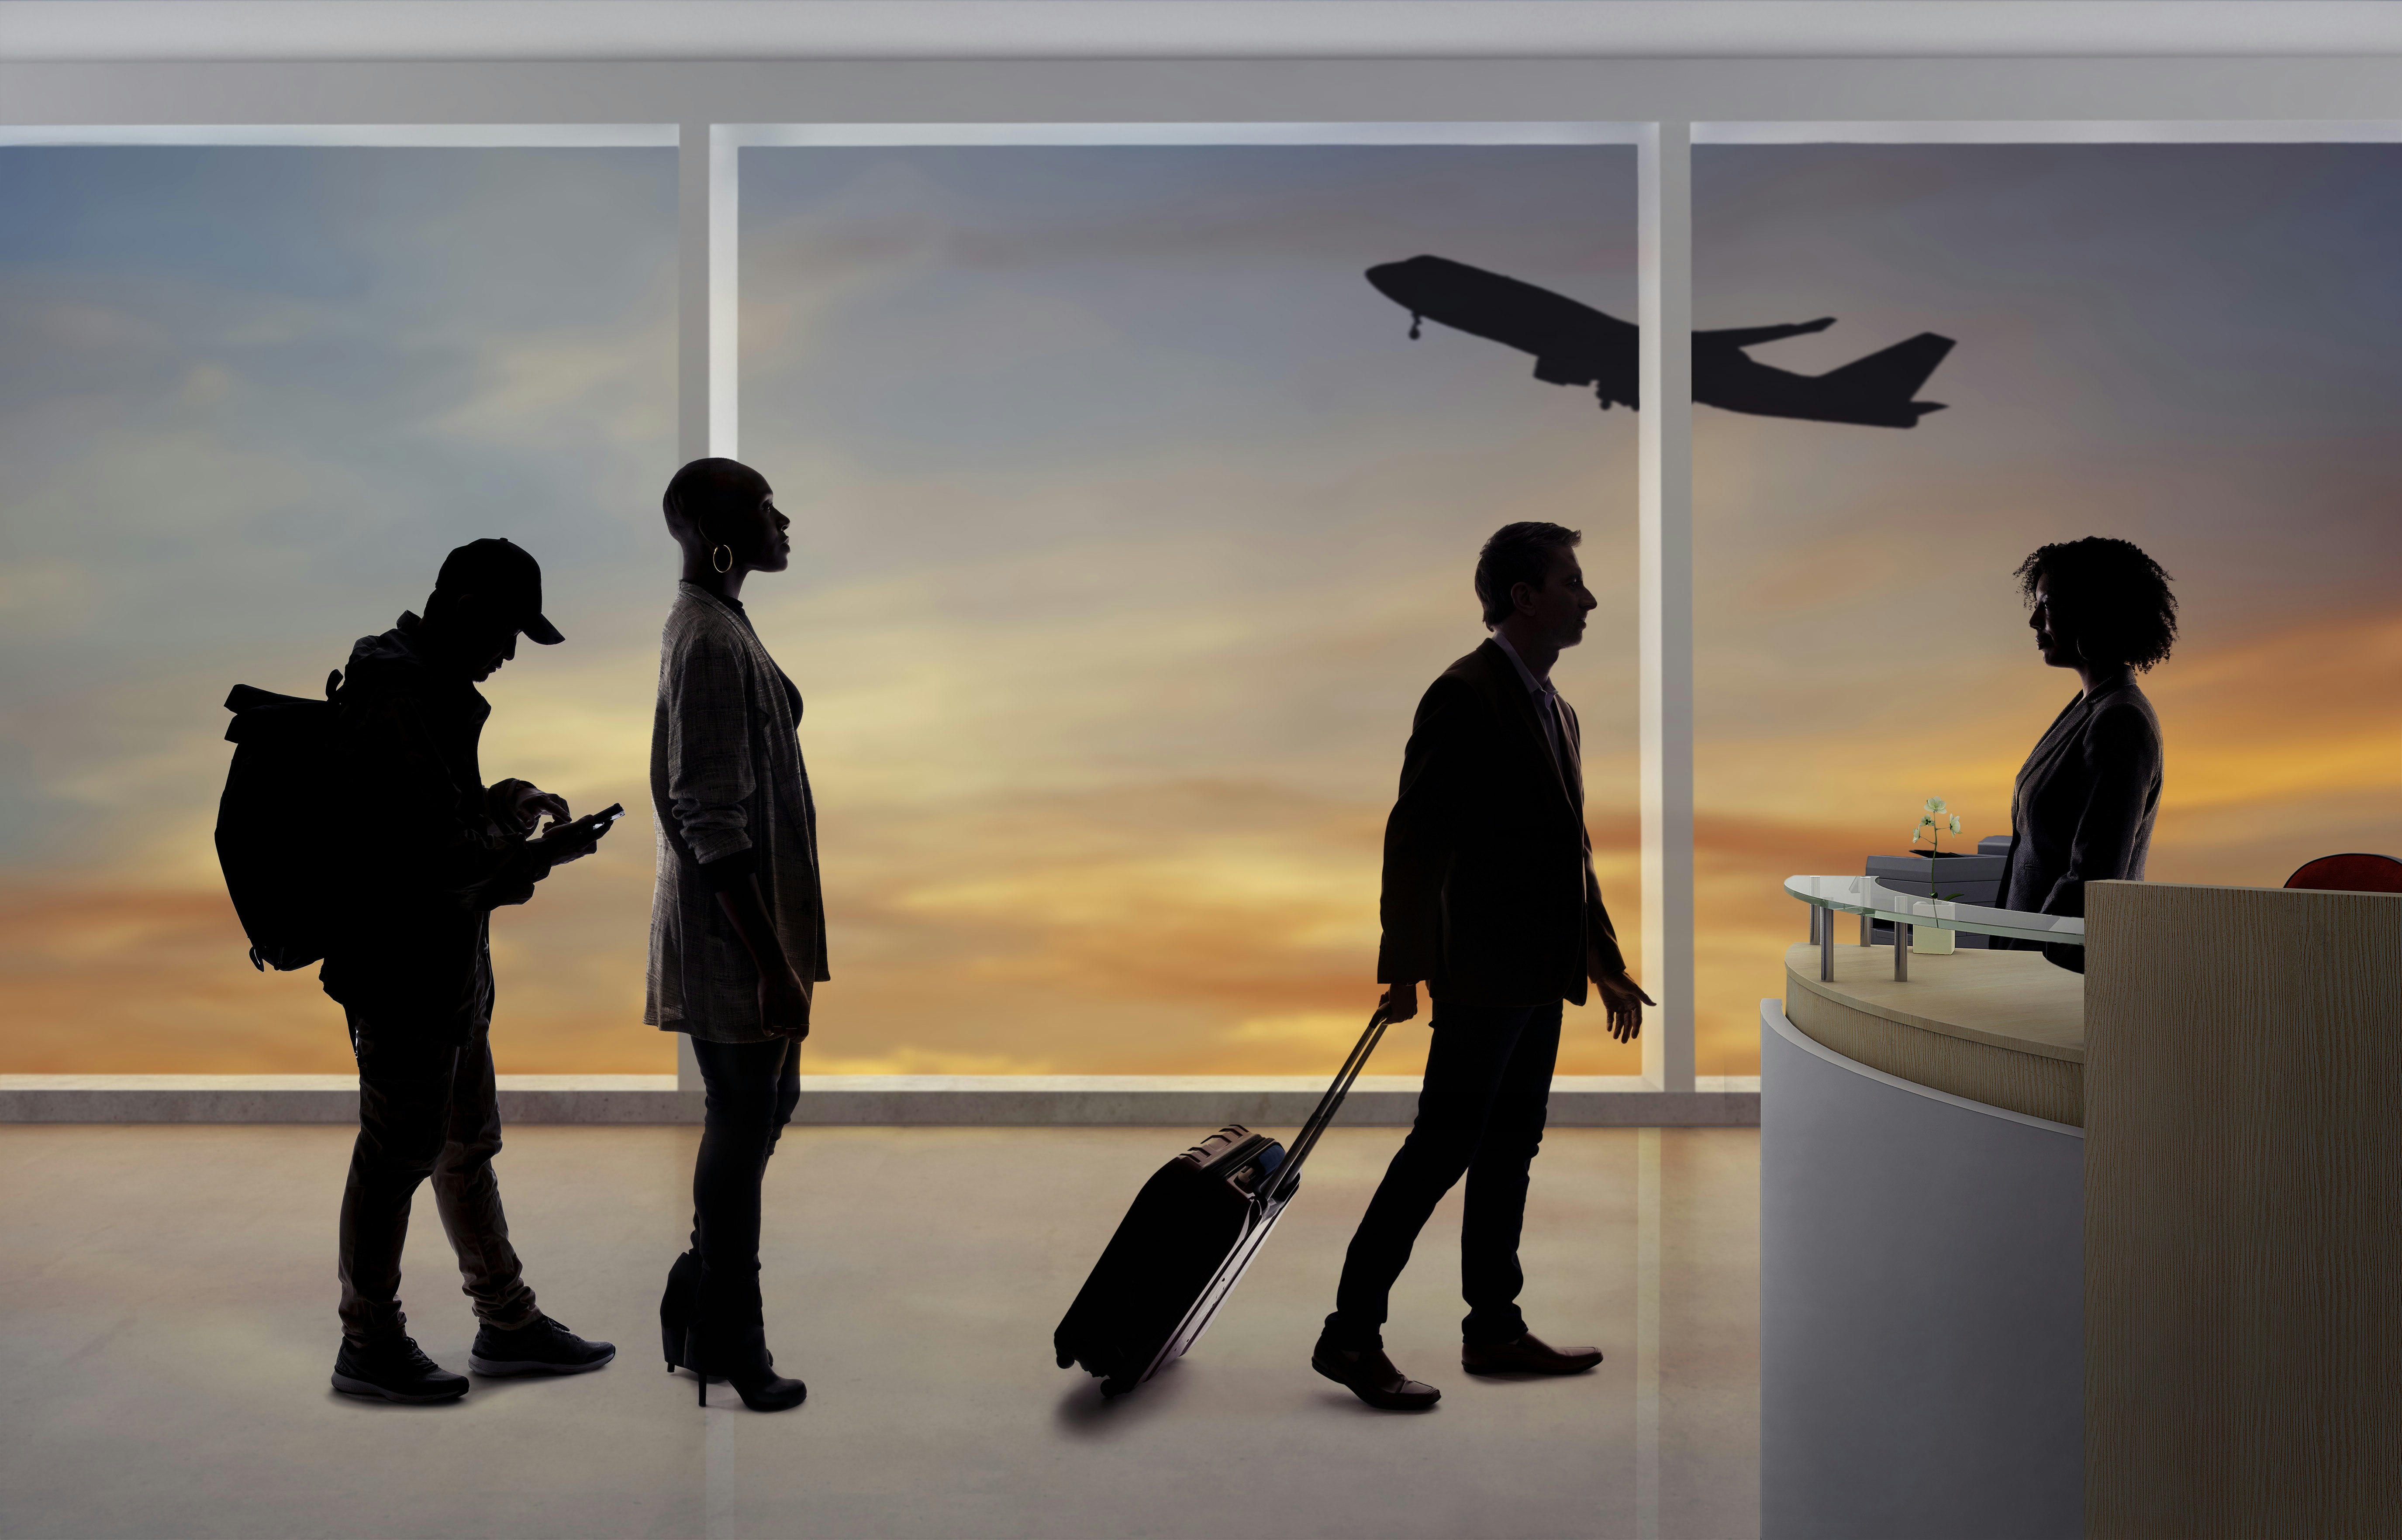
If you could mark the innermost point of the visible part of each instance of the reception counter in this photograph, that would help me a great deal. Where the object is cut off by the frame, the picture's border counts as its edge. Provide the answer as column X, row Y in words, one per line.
column 2117, row 1254
column 1921, row 1263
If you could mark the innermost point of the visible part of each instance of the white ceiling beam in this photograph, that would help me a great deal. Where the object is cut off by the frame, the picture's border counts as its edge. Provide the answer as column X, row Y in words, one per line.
column 452, row 29
column 389, row 136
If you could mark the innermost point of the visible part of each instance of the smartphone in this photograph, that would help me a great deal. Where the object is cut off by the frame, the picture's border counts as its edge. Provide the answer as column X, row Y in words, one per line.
column 598, row 822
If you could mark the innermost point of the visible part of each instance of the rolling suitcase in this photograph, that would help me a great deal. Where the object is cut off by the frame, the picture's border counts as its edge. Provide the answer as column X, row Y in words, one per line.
column 1193, row 1229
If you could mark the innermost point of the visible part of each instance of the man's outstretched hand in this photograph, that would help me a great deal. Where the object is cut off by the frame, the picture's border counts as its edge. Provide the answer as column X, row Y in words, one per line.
column 1620, row 996
column 1624, row 1000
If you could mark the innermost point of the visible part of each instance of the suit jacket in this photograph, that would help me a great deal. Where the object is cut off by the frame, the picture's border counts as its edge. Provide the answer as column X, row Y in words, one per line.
column 1489, row 893
column 726, row 778
column 2084, row 805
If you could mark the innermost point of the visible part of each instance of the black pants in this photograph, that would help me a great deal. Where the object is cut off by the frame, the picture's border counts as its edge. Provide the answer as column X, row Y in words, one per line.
column 1488, row 1084
column 427, row 1107
column 752, row 1091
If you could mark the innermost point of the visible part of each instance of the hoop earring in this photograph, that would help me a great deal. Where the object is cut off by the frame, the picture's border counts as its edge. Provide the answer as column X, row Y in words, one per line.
column 724, row 552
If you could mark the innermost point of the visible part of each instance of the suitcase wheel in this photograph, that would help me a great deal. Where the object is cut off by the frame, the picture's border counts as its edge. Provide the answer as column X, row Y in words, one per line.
column 1066, row 1360
column 1112, row 1389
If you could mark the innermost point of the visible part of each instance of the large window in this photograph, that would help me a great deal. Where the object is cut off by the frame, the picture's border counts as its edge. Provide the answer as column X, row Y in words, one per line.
column 248, row 398
column 1130, row 523
column 2196, row 348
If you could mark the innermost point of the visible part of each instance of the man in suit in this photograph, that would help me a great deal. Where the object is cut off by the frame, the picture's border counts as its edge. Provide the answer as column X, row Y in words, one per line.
column 1490, row 899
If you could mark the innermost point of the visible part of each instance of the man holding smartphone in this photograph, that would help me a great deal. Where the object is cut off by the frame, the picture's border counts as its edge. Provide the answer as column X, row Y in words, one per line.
column 432, row 851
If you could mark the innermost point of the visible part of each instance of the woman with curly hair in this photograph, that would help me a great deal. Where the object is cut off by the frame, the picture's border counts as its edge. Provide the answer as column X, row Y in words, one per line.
column 2086, row 798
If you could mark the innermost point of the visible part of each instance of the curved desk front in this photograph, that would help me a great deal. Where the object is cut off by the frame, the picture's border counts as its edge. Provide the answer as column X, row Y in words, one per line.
column 1922, row 1158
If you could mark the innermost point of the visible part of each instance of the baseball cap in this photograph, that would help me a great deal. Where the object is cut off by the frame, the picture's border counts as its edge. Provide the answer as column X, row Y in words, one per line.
column 509, row 579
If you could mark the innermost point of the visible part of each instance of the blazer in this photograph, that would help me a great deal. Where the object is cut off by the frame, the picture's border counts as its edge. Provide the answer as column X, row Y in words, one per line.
column 2083, row 808
column 1489, row 894
column 726, row 777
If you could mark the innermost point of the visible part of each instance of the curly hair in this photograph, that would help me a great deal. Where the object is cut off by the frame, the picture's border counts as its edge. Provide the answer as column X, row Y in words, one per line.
column 1516, row 554
column 2117, row 598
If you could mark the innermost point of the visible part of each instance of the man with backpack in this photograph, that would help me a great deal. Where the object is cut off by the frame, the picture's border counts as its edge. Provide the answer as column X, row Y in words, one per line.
column 426, row 851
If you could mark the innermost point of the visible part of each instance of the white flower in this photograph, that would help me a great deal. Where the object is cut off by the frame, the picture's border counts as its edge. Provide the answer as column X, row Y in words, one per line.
column 1935, row 805
column 1956, row 823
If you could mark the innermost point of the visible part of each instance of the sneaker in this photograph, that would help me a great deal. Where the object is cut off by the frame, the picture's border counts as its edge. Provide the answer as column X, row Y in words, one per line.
column 394, row 1368
column 545, row 1347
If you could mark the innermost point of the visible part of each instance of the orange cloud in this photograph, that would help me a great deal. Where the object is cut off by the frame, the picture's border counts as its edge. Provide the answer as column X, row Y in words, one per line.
column 2282, row 746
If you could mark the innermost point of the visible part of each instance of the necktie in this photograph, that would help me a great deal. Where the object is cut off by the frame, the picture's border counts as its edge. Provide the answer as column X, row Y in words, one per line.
column 1556, row 729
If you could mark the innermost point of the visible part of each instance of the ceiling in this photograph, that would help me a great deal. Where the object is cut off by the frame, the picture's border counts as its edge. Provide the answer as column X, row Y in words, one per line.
column 396, row 30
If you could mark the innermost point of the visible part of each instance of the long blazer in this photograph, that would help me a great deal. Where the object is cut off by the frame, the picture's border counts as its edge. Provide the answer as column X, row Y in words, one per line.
column 1489, row 894
column 726, row 777
column 2084, row 805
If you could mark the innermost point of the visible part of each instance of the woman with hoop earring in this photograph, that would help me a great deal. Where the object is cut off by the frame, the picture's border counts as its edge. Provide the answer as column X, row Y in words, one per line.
column 738, row 922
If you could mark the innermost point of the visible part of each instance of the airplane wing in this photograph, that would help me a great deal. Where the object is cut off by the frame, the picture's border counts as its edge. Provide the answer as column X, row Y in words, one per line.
column 1751, row 336
column 1874, row 392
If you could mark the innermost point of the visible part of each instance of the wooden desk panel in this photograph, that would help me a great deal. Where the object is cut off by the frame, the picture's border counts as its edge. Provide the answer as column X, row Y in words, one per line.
column 2243, row 1213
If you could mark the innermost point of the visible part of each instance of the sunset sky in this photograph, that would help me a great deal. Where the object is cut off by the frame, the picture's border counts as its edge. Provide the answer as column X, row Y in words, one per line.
column 2195, row 347
column 1135, row 526
column 1128, row 527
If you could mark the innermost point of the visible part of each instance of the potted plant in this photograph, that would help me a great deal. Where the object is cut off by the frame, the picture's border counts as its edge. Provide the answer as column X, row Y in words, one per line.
column 1935, row 816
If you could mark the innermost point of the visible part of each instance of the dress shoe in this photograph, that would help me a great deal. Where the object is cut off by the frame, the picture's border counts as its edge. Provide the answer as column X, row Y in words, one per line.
column 543, row 1347
column 393, row 1368
column 1527, row 1354
column 1372, row 1376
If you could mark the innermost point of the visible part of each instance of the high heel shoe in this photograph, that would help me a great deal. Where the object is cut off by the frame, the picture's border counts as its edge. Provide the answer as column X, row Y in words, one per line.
column 720, row 1345
column 676, row 1307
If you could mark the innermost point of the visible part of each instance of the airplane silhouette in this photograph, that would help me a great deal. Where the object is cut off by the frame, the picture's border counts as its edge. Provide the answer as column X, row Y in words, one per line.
column 1574, row 344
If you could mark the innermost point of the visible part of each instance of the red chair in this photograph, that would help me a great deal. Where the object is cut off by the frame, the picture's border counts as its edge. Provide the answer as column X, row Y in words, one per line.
column 2355, row 872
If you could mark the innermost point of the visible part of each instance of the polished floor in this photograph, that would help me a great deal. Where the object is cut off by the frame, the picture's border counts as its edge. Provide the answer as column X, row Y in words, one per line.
column 166, row 1309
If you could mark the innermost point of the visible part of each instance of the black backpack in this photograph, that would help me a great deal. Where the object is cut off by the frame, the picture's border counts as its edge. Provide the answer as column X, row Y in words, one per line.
column 274, row 839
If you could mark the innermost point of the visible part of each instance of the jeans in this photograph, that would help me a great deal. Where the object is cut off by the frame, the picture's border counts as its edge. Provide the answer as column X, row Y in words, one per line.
column 1488, row 1083
column 427, row 1107
column 752, row 1091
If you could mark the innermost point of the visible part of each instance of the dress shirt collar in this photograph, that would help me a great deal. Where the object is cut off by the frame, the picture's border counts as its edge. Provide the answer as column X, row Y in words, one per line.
column 1526, row 676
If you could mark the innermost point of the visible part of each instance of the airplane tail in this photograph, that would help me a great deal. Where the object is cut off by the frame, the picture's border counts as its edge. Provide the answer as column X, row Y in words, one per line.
column 1894, row 375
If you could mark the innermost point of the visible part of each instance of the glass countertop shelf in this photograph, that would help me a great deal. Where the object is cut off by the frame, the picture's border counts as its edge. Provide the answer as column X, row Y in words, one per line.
column 1867, row 896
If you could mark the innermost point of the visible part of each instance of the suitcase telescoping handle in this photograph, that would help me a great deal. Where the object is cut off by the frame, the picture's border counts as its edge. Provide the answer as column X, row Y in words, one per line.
column 1288, row 1174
